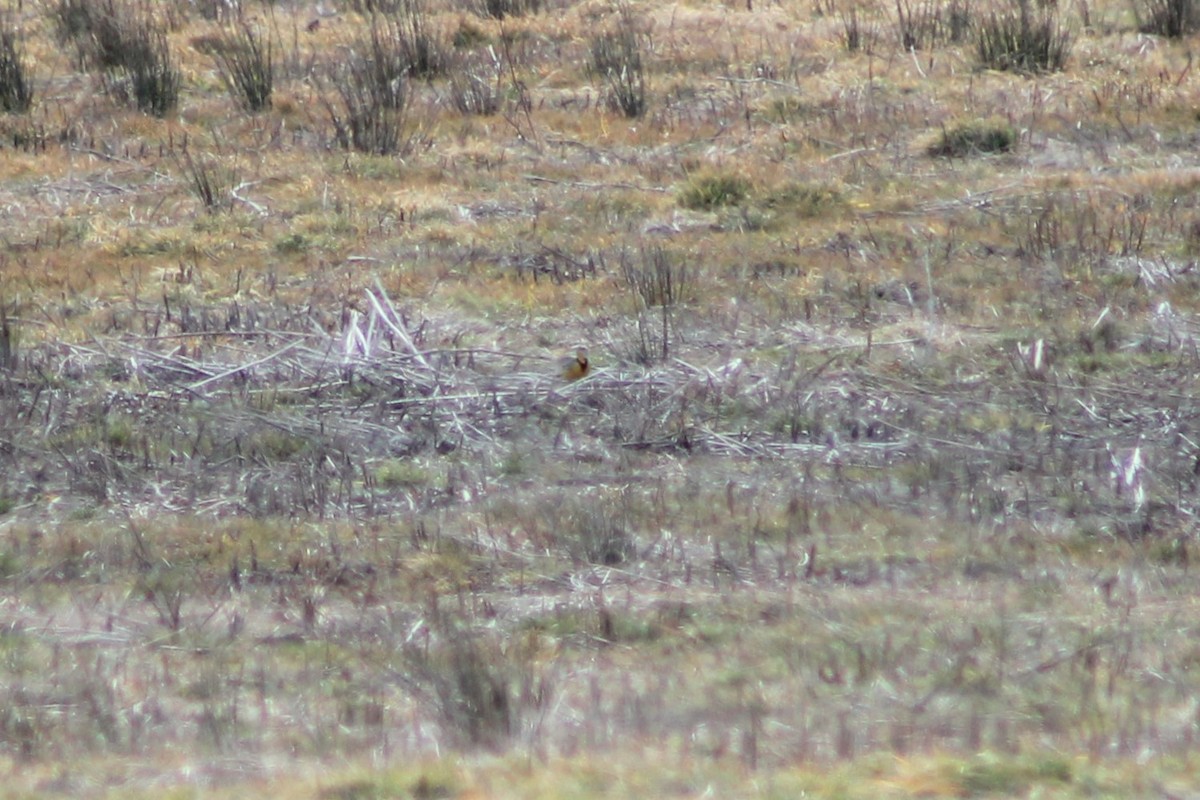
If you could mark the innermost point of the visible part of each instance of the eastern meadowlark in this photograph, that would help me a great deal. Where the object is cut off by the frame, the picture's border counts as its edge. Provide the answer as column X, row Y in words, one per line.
column 576, row 366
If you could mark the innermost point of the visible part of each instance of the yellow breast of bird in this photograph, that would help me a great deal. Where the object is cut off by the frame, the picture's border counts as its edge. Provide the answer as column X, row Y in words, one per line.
column 576, row 368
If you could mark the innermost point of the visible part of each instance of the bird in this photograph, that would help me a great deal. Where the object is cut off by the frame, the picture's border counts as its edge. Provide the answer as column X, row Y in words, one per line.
column 576, row 366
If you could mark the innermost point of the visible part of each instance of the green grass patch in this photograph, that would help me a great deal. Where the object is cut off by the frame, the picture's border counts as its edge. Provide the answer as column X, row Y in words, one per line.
column 708, row 192
column 804, row 200
column 402, row 473
column 974, row 138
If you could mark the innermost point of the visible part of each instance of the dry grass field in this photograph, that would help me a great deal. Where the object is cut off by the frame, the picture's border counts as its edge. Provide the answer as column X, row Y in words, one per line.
column 881, row 483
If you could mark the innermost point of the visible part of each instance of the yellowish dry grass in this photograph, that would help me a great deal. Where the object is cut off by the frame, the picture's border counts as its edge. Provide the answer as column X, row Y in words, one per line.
column 863, row 532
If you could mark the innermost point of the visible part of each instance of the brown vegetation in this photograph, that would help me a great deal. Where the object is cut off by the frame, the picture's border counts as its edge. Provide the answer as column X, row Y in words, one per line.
column 882, row 481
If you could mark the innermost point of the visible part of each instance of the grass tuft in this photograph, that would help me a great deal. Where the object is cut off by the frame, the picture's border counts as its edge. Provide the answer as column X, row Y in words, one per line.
column 16, row 85
column 8, row 340
column 708, row 192
column 1171, row 18
column 974, row 138
column 94, row 28
column 470, row 681
column 859, row 32
column 1020, row 38
column 617, row 58
column 212, row 181
column 925, row 24
column 805, row 200
column 369, row 109
column 503, row 9
column 243, row 56
column 412, row 30
column 475, row 88
column 153, row 77
column 128, row 45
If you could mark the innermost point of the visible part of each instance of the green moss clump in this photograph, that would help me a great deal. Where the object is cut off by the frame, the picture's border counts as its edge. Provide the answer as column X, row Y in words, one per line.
column 974, row 138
